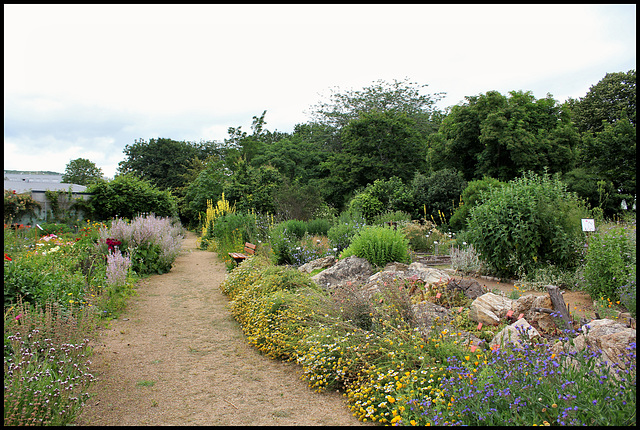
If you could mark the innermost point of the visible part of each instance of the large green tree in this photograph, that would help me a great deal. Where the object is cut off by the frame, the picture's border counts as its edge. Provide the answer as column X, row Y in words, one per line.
column 164, row 162
column 611, row 99
column 503, row 137
column 81, row 171
column 376, row 145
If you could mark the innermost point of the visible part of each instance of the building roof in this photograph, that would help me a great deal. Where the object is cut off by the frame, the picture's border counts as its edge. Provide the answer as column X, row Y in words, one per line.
column 25, row 182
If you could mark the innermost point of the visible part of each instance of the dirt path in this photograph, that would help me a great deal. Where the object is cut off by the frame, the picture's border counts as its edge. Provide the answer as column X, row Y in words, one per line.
column 176, row 356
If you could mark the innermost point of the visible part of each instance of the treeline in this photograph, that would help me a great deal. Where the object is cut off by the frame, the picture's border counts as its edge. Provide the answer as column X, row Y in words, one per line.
column 388, row 148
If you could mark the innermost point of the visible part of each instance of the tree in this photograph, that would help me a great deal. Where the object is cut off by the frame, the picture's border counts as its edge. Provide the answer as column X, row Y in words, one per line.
column 437, row 194
column 127, row 196
column 401, row 96
column 82, row 172
column 503, row 137
column 611, row 155
column 164, row 162
column 377, row 145
column 611, row 99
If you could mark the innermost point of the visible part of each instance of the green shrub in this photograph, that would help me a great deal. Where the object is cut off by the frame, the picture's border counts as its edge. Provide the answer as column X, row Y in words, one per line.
column 53, row 228
column 295, row 227
column 318, row 227
column 343, row 230
column 610, row 261
column 42, row 279
column 529, row 222
column 379, row 246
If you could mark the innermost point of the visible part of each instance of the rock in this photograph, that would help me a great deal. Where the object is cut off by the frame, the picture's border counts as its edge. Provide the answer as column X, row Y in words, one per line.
column 352, row 269
column 489, row 308
column 427, row 313
column 426, row 274
column 319, row 263
column 469, row 287
column 514, row 332
column 608, row 336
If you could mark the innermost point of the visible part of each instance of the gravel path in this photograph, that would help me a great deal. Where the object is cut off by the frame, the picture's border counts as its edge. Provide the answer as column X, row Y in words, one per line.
column 176, row 356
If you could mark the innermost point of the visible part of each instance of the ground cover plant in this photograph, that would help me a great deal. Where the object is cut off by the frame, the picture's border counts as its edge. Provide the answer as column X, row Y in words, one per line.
column 392, row 373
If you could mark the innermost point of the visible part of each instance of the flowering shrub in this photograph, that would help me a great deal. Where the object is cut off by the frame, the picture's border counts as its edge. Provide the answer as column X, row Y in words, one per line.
column 117, row 268
column 153, row 243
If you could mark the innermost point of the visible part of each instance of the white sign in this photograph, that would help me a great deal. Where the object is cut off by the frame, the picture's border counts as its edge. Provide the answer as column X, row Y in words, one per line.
column 588, row 224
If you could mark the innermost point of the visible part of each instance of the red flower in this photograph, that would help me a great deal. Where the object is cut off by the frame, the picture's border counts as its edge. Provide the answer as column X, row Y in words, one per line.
column 6, row 257
column 111, row 243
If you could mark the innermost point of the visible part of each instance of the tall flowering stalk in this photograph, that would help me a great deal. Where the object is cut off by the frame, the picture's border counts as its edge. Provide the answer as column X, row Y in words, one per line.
column 117, row 268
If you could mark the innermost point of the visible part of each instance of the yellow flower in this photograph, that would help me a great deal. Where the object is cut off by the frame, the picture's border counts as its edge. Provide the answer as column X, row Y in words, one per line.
column 390, row 399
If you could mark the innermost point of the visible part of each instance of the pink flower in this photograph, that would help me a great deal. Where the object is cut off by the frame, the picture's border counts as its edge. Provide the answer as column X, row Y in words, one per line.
column 18, row 317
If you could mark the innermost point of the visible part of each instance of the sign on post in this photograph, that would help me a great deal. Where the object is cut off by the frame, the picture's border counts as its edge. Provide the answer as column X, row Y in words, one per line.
column 588, row 224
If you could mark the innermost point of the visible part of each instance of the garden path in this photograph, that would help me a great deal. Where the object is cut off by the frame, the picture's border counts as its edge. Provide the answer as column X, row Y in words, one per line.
column 176, row 356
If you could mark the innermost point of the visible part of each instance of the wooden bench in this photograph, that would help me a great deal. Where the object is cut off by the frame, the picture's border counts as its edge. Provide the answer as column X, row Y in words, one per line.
column 249, row 248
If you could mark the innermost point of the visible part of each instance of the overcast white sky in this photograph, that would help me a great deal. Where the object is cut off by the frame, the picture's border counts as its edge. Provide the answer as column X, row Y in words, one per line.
column 85, row 80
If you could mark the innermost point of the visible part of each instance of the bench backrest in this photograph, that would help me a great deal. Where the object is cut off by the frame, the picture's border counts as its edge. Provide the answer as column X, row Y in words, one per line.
column 249, row 248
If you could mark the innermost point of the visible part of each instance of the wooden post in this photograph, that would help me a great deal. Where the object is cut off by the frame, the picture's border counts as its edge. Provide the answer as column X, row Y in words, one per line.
column 558, row 304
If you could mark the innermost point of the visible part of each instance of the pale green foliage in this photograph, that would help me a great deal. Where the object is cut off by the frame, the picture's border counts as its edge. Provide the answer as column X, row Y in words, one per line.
column 379, row 246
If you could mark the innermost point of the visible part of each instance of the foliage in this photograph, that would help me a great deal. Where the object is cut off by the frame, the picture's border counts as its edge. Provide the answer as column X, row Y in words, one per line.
column 599, row 193
column 253, row 188
column 611, row 155
column 127, row 196
column 529, row 222
column 46, row 371
column 611, row 99
column 610, row 261
column 379, row 246
column 469, row 198
column 401, row 96
column 503, row 137
column 206, row 186
column 437, row 193
column 377, row 145
column 17, row 205
column 163, row 162
column 382, row 195
column 289, row 248
column 344, row 229
column 46, row 279
column 153, row 243
column 81, row 171
column 466, row 260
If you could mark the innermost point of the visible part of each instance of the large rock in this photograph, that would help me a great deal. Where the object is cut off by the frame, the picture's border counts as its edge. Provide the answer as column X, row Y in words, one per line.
column 469, row 287
column 526, row 303
column 426, row 274
column 608, row 336
column 489, row 308
column 352, row 269
column 514, row 333
column 319, row 263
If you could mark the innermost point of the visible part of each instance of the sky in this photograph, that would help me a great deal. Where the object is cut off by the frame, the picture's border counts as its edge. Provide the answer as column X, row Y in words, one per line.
column 83, row 81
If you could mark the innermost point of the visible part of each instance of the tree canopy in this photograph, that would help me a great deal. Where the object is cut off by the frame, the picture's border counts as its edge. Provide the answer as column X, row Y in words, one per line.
column 81, row 171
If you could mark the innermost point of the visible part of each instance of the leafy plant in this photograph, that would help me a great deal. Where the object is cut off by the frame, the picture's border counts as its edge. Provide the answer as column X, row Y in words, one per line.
column 379, row 246
column 529, row 222
column 610, row 261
